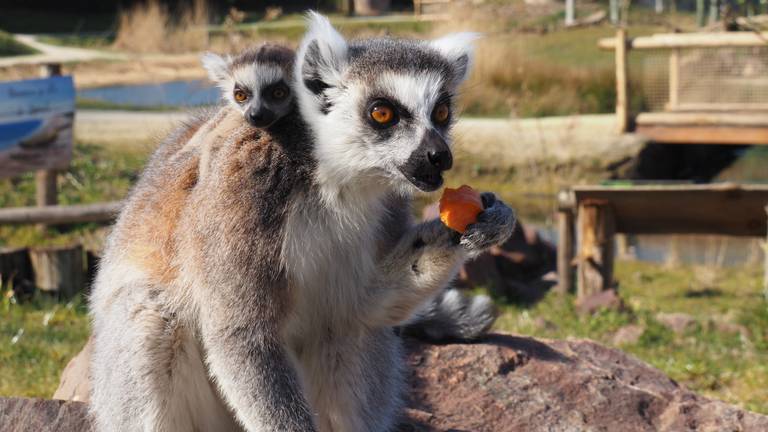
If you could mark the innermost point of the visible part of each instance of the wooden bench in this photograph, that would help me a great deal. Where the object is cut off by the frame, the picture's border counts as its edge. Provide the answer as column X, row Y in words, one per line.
column 590, row 216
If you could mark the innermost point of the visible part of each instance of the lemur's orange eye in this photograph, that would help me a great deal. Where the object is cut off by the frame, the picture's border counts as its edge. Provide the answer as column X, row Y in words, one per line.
column 240, row 95
column 279, row 93
column 382, row 113
column 441, row 114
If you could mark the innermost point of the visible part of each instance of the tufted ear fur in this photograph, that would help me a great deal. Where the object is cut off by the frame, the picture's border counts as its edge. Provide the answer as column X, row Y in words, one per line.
column 322, row 56
column 217, row 67
column 459, row 49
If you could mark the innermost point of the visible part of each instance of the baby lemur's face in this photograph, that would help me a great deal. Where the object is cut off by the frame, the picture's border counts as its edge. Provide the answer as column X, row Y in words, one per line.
column 256, row 82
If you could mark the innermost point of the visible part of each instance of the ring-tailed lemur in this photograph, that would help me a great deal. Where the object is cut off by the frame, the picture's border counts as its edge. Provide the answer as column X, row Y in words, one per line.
column 256, row 82
column 253, row 278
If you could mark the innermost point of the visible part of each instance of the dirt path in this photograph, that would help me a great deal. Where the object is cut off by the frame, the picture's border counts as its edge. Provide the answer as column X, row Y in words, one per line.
column 502, row 141
column 54, row 53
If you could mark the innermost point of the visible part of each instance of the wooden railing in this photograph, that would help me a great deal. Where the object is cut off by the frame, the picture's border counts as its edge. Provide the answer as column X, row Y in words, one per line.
column 675, row 42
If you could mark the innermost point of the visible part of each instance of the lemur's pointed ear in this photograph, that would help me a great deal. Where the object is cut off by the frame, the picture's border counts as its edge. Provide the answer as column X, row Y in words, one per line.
column 322, row 55
column 459, row 49
column 216, row 66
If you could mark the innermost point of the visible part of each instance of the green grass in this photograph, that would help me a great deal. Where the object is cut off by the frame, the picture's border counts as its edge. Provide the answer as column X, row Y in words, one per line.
column 96, row 104
column 96, row 174
column 37, row 339
column 90, row 40
column 710, row 359
column 10, row 47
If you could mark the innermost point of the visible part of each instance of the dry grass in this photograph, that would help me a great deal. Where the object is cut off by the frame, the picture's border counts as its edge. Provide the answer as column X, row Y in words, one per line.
column 151, row 27
column 507, row 81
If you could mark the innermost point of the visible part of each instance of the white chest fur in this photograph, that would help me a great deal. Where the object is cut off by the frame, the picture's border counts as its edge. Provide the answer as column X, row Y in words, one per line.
column 329, row 256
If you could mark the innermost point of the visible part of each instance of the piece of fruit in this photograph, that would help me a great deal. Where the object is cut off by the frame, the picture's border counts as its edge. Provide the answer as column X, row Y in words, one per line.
column 460, row 207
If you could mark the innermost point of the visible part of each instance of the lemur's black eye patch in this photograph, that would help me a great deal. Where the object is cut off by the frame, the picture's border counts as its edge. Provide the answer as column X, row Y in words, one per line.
column 277, row 92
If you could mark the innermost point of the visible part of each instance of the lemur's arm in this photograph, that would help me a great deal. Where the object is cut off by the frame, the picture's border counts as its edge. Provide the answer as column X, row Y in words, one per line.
column 427, row 256
column 246, row 358
column 233, row 235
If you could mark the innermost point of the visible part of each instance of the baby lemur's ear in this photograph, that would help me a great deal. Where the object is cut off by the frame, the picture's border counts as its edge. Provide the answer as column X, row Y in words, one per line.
column 459, row 49
column 322, row 56
column 217, row 67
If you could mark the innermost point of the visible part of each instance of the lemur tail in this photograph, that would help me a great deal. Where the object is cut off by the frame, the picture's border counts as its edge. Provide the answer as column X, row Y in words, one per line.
column 451, row 316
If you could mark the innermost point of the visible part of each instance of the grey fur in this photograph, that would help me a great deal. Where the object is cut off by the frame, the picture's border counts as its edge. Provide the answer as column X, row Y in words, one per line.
column 250, row 284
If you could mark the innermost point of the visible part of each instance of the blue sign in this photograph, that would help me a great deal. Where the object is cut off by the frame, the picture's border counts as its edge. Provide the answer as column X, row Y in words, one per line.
column 36, row 118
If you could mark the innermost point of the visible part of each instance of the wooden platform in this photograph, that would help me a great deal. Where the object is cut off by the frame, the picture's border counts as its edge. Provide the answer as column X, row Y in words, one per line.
column 592, row 215
column 704, row 127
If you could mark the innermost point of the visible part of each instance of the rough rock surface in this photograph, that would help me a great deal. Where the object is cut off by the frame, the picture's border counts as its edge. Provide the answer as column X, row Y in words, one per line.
column 505, row 383
column 38, row 415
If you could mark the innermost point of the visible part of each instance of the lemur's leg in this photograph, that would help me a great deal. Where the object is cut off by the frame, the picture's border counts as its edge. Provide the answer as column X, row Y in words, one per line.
column 147, row 372
column 251, row 366
column 428, row 256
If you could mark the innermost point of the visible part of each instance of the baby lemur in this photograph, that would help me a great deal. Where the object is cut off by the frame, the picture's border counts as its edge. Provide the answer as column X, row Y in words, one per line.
column 256, row 83
column 253, row 279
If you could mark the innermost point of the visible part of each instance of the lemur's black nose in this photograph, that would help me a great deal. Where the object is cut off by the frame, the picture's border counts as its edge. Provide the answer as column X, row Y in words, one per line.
column 438, row 153
column 261, row 118
column 440, row 159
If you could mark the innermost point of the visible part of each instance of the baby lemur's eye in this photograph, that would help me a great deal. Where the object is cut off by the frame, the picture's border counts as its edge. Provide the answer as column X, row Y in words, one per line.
column 441, row 114
column 383, row 114
column 279, row 93
column 240, row 95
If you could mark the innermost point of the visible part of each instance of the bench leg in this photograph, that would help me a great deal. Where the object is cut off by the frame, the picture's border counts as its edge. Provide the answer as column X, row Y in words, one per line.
column 596, row 230
column 565, row 251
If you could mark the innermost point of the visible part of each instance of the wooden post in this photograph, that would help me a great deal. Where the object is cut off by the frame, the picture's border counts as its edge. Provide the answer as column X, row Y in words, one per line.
column 765, row 270
column 565, row 250
column 622, row 90
column 45, row 180
column 714, row 11
column 623, row 250
column 58, row 269
column 674, row 78
column 596, row 229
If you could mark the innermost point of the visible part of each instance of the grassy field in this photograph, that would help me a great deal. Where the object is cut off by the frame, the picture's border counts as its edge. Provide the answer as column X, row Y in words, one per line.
column 10, row 47
column 527, row 65
column 95, row 175
column 722, row 354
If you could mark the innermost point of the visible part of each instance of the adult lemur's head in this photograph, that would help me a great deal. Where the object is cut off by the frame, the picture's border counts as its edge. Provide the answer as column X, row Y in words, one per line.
column 380, row 109
column 256, row 82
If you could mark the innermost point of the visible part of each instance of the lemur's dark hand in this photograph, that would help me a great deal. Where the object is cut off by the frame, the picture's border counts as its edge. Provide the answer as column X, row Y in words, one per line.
column 494, row 225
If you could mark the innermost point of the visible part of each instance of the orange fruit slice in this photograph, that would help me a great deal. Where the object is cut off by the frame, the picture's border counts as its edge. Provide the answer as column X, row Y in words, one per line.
column 460, row 207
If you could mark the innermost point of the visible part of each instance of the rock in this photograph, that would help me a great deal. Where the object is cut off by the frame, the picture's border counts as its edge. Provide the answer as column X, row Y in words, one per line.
column 607, row 299
column 505, row 383
column 512, row 383
column 38, row 415
column 72, row 385
column 628, row 335
column 678, row 322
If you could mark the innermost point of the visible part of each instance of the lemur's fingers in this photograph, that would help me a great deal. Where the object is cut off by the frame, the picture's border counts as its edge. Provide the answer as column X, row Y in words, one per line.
column 494, row 226
column 489, row 198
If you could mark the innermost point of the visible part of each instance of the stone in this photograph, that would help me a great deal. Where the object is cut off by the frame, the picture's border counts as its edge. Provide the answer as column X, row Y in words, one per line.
column 504, row 383
column 607, row 299
column 73, row 386
column 678, row 322
column 628, row 334
column 39, row 415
